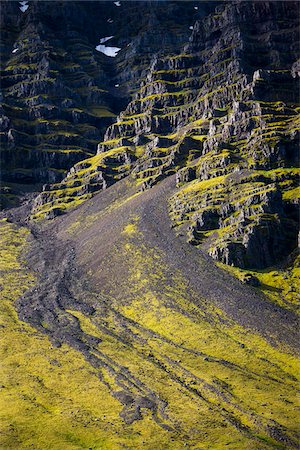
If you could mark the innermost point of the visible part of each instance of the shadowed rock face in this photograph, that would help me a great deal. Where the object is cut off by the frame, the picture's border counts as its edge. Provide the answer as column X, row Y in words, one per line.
column 216, row 102
column 59, row 93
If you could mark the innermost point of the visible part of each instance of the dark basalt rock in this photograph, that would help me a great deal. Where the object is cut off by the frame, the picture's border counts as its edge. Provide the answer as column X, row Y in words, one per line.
column 251, row 280
column 218, row 102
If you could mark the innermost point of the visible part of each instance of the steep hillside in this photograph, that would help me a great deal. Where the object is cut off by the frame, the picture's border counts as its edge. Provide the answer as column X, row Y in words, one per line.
column 216, row 111
column 175, row 345
column 158, row 306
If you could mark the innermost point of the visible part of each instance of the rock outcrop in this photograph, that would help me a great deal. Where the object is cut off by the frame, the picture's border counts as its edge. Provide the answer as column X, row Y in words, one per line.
column 219, row 108
column 59, row 93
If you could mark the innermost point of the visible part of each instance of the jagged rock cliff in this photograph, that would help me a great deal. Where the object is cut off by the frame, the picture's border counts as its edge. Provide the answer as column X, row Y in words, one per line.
column 59, row 93
column 222, row 112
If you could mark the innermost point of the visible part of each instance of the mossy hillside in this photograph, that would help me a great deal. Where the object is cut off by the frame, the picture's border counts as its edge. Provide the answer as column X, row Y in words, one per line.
column 36, row 392
column 51, row 397
column 113, row 163
column 260, row 150
column 280, row 284
column 158, row 339
column 157, row 94
column 212, row 366
column 233, row 204
column 275, row 126
column 223, row 386
column 204, row 93
column 87, row 177
column 166, row 99
column 208, row 165
column 74, row 407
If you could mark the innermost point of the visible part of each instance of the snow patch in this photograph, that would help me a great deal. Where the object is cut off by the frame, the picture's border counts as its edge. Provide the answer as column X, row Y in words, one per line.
column 105, row 39
column 108, row 51
column 117, row 3
column 15, row 50
column 191, row 27
column 195, row 7
column 117, row 85
column 23, row 6
column 109, row 20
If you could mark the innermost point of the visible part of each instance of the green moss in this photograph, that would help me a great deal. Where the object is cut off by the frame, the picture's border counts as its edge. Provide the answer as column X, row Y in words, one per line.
column 32, row 66
column 49, row 395
column 278, row 284
column 101, row 112
column 292, row 194
column 181, row 93
column 221, row 386
column 70, row 193
column 201, row 137
column 131, row 228
column 124, row 121
column 198, row 186
column 161, row 306
column 61, row 200
column 110, row 142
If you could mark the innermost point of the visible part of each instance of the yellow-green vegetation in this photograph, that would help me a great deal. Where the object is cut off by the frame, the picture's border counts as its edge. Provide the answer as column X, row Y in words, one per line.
column 199, row 137
column 182, row 93
column 131, row 228
column 101, row 112
column 248, row 199
column 280, row 285
column 292, row 194
column 215, row 384
column 71, row 191
column 200, row 186
column 51, row 398
column 224, row 386
column 236, row 197
column 62, row 201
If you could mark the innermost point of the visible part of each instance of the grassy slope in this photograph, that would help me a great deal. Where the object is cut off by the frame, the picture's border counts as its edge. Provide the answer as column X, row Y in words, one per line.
column 218, row 373
column 51, row 398
column 217, row 384
column 281, row 285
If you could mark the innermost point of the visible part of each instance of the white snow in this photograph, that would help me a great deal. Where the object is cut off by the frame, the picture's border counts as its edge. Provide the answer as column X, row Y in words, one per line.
column 191, row 27
column 23, row 6
column 105, row 39
column 117, row 85
column 108, row 51
column 15, row 50
column 117, row 3
column 195, row 7
column 109, row 20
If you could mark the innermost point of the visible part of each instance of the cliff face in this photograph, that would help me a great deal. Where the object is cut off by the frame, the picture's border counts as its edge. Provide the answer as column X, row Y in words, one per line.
column 220, row 110
column 59, row 93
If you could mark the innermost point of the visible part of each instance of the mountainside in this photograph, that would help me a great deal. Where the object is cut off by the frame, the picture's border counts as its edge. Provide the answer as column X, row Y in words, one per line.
column 149, row 226
column 59, row 93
